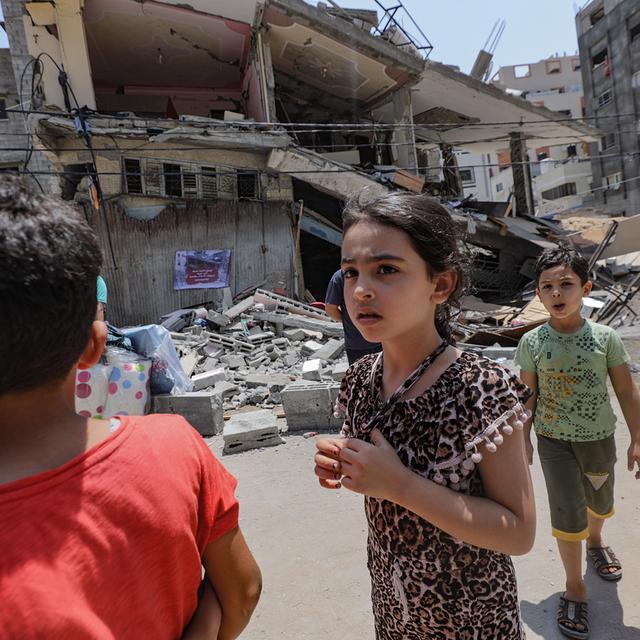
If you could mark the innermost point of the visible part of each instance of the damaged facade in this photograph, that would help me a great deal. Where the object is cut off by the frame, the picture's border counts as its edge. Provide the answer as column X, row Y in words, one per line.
column 247, row 129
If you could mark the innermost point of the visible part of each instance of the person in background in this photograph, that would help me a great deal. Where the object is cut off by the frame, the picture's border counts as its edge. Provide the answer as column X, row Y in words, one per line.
column 101, row 287
column 355, row 345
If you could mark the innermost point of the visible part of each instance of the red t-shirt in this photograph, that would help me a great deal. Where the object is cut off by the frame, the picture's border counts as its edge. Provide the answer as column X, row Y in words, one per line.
column 109, row 545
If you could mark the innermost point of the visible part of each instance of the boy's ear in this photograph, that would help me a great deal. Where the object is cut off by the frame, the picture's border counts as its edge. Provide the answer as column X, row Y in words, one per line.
column 95, row 346
column 586, row 288
column 445, row 286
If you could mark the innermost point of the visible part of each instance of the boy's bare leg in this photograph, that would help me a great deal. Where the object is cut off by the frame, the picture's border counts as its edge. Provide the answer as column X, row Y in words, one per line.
column 571, row 554
column 595, row 532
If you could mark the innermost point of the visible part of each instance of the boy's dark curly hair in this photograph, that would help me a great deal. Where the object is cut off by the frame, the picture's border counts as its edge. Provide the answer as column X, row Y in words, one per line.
column 433, row 234
column 563, row 254
column 49, row 262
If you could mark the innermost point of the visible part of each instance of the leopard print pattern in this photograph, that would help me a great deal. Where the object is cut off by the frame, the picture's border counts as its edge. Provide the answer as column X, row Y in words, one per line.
column 426, row 584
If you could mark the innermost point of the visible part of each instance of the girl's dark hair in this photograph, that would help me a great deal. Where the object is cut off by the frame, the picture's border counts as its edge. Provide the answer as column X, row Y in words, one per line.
column 431, row 231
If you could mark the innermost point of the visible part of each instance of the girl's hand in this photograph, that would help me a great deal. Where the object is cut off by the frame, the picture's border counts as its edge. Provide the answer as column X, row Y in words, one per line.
column 373, row 469
column 327, row 459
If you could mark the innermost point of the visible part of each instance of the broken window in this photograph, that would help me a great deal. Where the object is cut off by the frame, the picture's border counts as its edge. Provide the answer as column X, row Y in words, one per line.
column 596, row 16
column 467, row 176
column 614, row 181
column 172, row 180
column 553, row 66
column 565, row 112
column 575, row 64
column 499, row 187
column 572, row 151
column 522, row 71
column 564, row 190
column 248, row 186
column 608, row 141
column 209, row 180
column 599, row 58
column 133, row 176
column 605, row 98
column 189, row 184
column 3, row 109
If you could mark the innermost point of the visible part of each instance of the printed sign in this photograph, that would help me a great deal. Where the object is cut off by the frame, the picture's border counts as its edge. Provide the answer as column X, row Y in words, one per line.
column 207, row 269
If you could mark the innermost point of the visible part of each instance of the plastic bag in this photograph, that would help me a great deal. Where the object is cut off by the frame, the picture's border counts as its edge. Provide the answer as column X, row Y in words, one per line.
column 154, row 342
column 117, row 385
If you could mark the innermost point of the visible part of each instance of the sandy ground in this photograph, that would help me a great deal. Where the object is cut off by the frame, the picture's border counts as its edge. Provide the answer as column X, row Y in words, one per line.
column 310, row 544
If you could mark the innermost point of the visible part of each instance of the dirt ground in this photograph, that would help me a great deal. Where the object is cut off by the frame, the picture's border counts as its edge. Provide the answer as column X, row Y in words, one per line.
column 310, row 544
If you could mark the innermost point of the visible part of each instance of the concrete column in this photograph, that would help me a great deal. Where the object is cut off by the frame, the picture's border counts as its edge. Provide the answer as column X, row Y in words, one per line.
column 267, row 79
column 450, row 171
column 404, row 136
column 522, row 188
column 75, row 54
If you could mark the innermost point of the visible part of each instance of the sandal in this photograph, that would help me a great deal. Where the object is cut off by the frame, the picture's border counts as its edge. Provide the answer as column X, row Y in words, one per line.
column 604, row 560
column 570, row 615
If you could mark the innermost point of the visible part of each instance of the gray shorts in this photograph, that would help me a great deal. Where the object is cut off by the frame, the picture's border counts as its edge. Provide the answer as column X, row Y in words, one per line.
column 579, row 478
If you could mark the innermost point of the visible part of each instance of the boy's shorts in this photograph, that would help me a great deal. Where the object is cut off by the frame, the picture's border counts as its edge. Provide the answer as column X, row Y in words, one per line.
column 579, row 478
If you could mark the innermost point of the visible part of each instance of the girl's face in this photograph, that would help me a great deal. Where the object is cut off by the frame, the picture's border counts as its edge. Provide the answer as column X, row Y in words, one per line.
column 387, row 288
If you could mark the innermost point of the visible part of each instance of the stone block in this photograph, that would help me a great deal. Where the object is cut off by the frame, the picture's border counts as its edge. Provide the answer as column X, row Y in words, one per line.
column 309, row 405
column 312, row 369
column 251, row 430
column 203, row 409
column 339, row 371
column 310, row 347
column 225, row 389
column 330, row 351
column 233, row 361
column 208, row 379
column 273, row 382
column 294, row 334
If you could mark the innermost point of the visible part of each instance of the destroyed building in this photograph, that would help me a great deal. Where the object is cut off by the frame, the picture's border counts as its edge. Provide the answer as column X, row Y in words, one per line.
column 244, row 128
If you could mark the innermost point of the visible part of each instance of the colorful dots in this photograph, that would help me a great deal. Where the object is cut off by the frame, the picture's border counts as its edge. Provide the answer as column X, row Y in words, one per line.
column 115, row 374
column 113, row 388
column 139, row 395
column 99, row 409
column 126, row 384
column 85, row 414
column 142, row 377
column 84, row 376
column 83, row 390
column 127, row 367
column 139, row 367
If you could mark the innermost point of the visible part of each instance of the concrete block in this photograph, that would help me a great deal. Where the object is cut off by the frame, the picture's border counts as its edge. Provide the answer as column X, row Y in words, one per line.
column 312, row 369
column 339, row 371
column 273, row 382
column 208, row 379
column 309, row 405
column 225, row 389
column 294, row 334
column 218, row 319
column 317, row 335
column 233, row 361
column 203, row 409
column 189, row 362
column 330, row 351
column 310, row 347
column 251, row 430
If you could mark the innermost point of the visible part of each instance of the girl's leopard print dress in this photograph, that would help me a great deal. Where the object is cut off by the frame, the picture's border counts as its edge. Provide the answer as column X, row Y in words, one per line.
column 426, row 584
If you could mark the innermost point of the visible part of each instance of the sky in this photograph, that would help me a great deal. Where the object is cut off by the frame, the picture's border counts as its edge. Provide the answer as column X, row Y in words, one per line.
column 458, row 29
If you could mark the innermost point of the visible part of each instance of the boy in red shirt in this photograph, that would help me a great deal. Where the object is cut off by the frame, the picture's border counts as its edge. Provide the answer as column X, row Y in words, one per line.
column 104, row 525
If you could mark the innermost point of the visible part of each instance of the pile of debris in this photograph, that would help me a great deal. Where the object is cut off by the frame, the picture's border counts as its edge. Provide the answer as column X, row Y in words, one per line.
column 265, row 351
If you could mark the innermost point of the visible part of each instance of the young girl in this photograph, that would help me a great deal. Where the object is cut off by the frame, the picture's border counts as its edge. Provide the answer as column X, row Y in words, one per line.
column 432, row 436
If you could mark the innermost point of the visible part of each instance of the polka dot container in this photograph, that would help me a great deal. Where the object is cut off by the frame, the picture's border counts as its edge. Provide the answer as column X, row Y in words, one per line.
column 119, row 387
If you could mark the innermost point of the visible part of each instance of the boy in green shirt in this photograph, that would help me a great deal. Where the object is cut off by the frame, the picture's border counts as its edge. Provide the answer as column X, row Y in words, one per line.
column 566, row 362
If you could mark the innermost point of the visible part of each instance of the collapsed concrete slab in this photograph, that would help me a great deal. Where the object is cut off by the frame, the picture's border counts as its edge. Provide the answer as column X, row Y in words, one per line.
column 273, row 382
column 251, row 430
column 203, row 409
column 309, row 405
column 330, row 351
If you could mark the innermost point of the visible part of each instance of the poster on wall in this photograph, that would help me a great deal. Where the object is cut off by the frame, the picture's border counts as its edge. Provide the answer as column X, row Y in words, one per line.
column 206, row 269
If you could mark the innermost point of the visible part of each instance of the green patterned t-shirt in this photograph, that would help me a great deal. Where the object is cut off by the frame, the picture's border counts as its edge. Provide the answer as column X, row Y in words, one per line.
column 573, row 400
